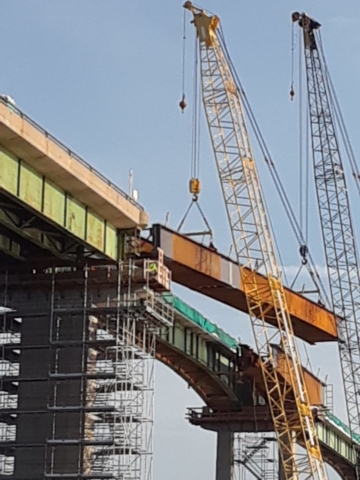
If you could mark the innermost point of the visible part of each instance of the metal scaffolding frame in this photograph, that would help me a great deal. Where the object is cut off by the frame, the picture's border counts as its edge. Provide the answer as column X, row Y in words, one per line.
column 9, row 337
column 256, row 456
column 100, row 381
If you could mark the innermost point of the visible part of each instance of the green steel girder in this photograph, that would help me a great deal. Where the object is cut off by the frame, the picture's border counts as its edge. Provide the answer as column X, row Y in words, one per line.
column 337, row 446
column 43, row 197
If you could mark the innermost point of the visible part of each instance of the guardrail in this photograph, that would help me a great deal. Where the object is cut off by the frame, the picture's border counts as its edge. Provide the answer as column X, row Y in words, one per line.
column 72, row 154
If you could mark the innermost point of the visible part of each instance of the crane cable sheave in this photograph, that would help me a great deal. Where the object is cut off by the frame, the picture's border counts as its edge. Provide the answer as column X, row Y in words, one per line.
column 305, row 21
column 308, row 24
column 205, row 24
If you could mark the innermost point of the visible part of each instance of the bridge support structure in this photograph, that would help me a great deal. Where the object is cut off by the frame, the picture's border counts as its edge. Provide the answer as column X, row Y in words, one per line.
column 77, row 358
column 224, row 454
column 241, row 454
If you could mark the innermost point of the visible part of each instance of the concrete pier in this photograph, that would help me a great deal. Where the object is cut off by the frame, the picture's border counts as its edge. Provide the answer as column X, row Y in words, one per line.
column 224, row 455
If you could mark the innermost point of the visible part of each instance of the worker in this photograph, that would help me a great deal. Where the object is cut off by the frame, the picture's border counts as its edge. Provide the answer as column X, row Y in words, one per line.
column 153, row 268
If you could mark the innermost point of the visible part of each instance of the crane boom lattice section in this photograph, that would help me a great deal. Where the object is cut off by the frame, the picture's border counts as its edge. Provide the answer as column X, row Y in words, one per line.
column 255, row 252
column 335, row 215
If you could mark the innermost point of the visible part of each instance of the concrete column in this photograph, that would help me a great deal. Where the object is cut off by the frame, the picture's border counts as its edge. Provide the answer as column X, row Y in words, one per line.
column 224, row 455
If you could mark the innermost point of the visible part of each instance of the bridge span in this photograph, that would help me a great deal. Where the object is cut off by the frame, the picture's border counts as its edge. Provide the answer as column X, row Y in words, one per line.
column 57, row 211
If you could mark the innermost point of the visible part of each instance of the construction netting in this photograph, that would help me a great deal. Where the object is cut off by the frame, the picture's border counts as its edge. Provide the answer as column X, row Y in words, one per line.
column 195, row 317
column 342, row 426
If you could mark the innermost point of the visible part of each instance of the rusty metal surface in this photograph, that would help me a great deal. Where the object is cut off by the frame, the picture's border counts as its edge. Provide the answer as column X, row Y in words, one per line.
column 214, row 275
column 315, row 388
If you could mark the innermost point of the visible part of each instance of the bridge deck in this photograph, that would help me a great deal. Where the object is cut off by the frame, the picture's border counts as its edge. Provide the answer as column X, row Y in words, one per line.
column 27, row 141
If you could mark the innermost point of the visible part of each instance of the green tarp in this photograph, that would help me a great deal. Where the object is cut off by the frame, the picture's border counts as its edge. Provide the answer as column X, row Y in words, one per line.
column 194, row 316
column 343, row 427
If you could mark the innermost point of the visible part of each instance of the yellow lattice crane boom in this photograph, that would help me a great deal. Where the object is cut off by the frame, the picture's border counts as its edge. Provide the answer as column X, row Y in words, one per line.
column 255, row 250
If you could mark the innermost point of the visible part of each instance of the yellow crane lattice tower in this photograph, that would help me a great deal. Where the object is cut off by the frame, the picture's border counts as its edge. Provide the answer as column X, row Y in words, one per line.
column 255, row 252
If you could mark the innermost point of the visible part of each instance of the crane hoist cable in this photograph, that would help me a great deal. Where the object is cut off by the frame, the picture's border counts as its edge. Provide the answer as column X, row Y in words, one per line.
column 340, row 119
column 182, row 103
column 255, row 252
column 341, row 251
column 336, row 109
column 296, row 228
column 304, row 166
column 194, row 183
column 293, row 36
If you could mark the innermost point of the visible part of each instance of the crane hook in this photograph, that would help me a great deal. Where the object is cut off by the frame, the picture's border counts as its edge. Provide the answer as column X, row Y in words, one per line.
column 303, row 252
column 182, row 103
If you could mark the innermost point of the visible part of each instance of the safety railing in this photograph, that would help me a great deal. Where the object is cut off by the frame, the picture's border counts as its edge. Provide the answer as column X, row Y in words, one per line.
column 158, row 308
column 155, row 268
column 329, row 397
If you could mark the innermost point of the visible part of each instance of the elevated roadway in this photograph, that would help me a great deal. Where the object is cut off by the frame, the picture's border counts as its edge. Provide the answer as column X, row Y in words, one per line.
column 52, row 202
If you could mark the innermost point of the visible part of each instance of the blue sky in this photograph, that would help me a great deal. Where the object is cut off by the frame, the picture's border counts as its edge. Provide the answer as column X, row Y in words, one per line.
column 105, row 78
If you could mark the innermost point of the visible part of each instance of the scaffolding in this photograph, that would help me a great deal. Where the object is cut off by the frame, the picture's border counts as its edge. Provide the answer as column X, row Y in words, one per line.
column 98, row 415
column 255, row 456
column 9, row 368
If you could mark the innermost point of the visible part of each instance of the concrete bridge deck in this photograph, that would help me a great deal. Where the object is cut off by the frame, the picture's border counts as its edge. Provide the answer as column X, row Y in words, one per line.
column 41, row 177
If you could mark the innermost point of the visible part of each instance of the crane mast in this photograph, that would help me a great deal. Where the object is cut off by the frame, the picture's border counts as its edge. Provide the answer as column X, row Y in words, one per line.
column 334, row 208
column 255, row 252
